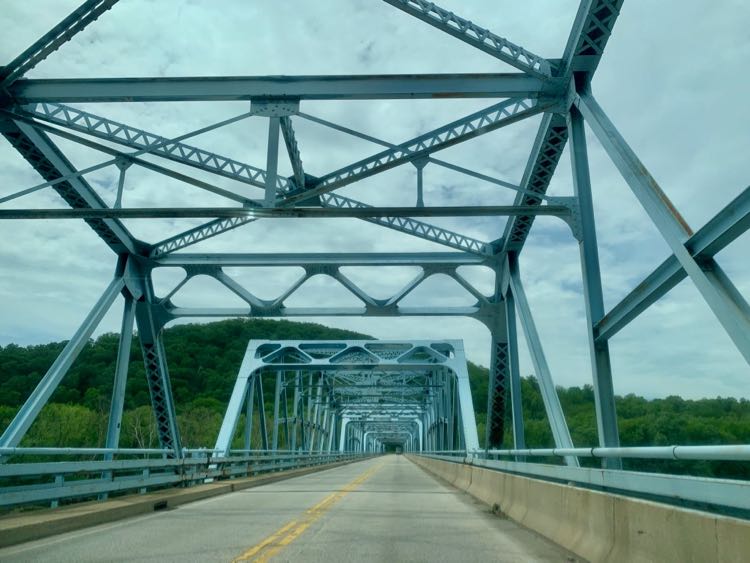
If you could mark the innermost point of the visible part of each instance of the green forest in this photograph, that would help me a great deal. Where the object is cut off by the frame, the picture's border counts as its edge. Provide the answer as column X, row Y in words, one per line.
column 203, row 363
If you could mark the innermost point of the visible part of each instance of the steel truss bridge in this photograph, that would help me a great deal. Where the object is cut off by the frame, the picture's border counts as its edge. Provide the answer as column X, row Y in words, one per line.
column 336, row 398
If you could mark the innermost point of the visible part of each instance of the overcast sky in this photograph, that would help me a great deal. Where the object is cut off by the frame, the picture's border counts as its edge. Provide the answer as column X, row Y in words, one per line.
column 671, row 79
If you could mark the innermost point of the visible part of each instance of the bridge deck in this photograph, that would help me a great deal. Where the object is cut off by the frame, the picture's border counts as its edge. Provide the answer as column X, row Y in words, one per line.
column 383, row 509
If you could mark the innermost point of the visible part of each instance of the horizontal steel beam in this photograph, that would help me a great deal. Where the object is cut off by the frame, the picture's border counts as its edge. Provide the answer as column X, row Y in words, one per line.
column 326, row 259
column 715, row 235
column 333, row 87
column 177, row 312
column 285, row 212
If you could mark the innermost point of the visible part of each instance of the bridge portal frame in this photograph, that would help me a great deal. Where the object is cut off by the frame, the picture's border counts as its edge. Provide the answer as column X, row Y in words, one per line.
column 379, row 388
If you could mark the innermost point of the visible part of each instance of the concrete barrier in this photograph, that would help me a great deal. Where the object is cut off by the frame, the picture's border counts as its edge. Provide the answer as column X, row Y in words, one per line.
column 593, row 531
column 599, row 526
column 464, row 476
column 486, row 486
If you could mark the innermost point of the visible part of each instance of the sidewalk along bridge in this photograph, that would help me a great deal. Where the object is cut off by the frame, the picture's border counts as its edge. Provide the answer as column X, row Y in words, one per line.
column 337, row 403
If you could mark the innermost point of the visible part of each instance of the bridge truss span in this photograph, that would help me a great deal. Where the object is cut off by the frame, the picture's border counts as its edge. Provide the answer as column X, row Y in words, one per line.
column 355, row 396
column 351, row 396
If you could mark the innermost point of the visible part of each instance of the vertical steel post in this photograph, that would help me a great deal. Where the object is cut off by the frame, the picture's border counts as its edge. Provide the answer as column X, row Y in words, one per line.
column 121, row 374
column 285, row 405
column 310, row 400
column 157, row 374
column 342, row 436
column 276, row 400
column 604, row 395
column 296, row 408
column 466, row 405
column 249, row 402
column 272, row 161
column 316, row 413
column 497, row 391
column 450, row 403
column 332, row 432
column 262, row 412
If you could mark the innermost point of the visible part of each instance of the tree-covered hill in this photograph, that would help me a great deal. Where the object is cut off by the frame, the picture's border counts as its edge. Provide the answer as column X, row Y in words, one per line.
column 203, row 363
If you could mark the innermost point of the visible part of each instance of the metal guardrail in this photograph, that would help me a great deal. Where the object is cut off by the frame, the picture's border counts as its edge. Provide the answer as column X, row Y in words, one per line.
column 726, row 495
column 54, row 481
column 698, row 453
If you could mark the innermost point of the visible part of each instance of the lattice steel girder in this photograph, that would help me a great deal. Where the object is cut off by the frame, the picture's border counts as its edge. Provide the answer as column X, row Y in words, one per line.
column 155, row 361
column 591, row 31
column 730, row 308
column 333, row 87
column 476, row 36
column 469, row 127
column 716, row 234
column 50, row 163
column 121, row 157
column 427, row 160
column 540, row 167
column 117, row 132
column 292, row 149
column 197, row 234
column 88, row 12
column 198, row 158
column 497, row 393
column 413, row 227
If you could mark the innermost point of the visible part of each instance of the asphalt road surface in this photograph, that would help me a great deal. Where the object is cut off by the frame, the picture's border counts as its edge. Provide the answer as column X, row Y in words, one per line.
column 383, row 509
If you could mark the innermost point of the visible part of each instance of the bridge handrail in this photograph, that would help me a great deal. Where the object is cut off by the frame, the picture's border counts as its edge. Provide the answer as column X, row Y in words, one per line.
column 698, row 453
column 26, row 483
column 726, row 496
column 738, row 452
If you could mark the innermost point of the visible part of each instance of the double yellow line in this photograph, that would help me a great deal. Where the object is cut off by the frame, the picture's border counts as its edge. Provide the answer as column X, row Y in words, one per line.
column 289, row 532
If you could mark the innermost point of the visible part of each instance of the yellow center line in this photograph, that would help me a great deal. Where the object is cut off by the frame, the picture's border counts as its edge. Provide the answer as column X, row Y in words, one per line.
column 290, row 531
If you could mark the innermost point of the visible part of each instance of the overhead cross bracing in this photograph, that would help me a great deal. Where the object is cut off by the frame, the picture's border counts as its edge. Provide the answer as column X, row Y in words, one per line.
column 230, row 191
column 363, row 394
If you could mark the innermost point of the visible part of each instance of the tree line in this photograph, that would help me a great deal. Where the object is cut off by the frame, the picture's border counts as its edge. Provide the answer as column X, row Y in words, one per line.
column 203, row 364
